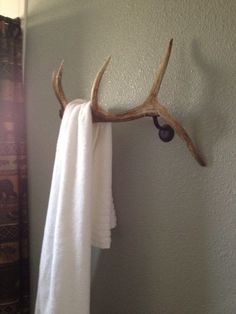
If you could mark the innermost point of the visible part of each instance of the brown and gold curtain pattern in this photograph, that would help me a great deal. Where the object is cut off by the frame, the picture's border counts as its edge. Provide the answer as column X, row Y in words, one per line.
column 14, row 258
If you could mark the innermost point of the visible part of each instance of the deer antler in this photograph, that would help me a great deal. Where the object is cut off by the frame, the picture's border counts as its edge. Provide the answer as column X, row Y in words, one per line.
column 57, row 86
column 150, row 107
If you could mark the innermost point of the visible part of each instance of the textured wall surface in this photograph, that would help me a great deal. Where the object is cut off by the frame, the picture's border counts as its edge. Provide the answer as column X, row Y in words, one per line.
column 174, row 250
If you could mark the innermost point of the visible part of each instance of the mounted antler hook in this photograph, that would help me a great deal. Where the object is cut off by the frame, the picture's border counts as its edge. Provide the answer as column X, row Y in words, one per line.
column 150, row 107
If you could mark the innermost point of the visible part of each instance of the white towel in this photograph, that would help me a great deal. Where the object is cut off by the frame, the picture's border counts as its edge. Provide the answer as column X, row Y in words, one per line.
column 80, row 212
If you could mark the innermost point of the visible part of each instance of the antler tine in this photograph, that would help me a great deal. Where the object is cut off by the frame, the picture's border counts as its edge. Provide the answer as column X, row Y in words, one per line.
column 96, row 84
column 57, row 86
column 161, row 71
column 164, row 113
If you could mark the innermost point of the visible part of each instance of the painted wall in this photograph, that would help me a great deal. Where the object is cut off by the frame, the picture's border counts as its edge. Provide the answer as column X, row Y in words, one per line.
column 174, row 250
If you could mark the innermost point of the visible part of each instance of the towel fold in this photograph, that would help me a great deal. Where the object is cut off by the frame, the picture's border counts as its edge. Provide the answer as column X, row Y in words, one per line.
column 80, row 212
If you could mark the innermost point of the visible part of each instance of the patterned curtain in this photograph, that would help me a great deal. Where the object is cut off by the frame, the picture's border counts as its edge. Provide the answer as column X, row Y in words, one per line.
column 14, row 258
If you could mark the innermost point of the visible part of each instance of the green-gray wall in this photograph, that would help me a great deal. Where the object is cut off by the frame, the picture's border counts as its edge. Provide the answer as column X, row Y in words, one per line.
column 174, row 250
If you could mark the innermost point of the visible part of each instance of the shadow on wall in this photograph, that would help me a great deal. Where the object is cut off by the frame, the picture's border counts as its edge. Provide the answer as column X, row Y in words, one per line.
column 211, row 112
column 202, row 81
column 207, row 117
column 158, row 261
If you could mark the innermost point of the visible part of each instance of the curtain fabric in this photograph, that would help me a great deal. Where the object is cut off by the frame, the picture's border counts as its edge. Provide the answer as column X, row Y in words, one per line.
column 14, row 257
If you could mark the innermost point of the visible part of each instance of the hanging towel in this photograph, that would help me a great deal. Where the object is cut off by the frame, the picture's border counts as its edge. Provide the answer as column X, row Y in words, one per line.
column 80, row 212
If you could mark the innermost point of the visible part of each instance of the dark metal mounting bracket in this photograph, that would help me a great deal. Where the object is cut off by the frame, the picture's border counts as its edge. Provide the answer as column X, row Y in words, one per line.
column 166, row 133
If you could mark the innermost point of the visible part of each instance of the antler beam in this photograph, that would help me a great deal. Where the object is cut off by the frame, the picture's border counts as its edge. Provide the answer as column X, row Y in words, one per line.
column 150, row 107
